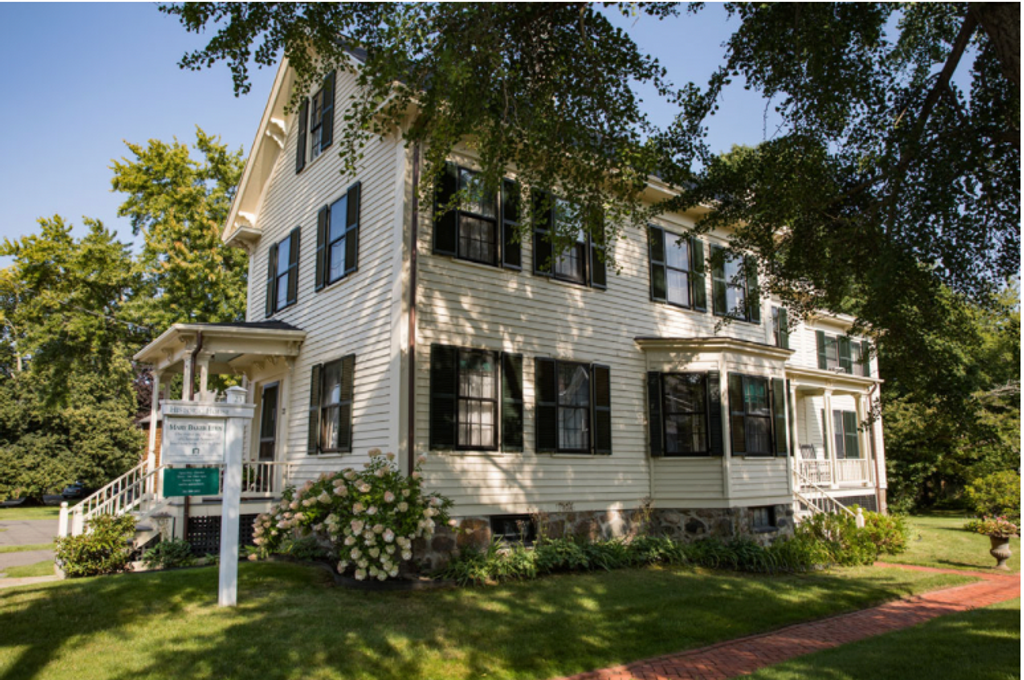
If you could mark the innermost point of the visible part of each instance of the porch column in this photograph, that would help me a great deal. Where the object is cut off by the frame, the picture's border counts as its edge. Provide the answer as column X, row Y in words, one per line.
column 726, row 432
column 830, row 438
column 204, row 374
column 862, row 437
column 154, row 413
column 794, row 434
column 188, row 378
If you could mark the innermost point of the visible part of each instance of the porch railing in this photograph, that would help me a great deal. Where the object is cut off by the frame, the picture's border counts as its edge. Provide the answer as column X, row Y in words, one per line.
column 131, row 491
column 853, row 470
column 261, row 477
column 817, row 471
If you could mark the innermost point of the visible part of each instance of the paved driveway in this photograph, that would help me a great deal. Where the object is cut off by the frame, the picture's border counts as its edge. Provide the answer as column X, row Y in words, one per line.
column 28, row 531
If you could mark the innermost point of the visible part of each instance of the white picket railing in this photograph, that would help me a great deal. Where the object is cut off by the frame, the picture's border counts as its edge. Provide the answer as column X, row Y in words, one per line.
column 131, row 491
column 853, row 470
column 261, row 477
column 818, row 471
column 824, row 502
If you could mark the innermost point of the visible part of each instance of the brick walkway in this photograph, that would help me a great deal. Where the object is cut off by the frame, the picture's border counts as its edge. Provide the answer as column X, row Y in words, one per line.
column 745, row 655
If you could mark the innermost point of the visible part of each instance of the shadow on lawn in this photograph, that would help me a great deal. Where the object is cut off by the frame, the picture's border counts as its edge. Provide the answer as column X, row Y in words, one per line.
column 292, row 624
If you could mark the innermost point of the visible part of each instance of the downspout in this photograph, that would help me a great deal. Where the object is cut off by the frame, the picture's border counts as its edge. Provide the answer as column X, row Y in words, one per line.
column 874, row 454
column 413, row 247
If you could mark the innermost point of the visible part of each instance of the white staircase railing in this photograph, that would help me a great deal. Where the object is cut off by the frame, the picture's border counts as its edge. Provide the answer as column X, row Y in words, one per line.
column 825, row 503
column 134, row 490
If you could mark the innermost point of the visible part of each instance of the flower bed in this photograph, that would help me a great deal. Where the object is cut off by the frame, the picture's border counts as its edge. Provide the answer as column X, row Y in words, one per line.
column 996, row 527
column 367, row 519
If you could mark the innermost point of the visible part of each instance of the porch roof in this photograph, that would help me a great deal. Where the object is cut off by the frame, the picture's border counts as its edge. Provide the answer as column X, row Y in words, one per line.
column 227, row 348
column 817, row 381
column 713, row 344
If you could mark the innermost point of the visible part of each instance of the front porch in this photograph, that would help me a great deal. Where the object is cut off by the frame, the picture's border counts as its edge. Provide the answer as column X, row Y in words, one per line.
column 833, row 436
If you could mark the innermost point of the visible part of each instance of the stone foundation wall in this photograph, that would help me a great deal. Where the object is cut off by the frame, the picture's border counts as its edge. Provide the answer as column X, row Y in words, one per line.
column 685, row 525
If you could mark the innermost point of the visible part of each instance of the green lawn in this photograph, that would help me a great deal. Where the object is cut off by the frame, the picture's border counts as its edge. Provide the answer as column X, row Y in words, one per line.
column 24, row 548
column 291, row 624
column 983, row 644
column 44, row 568
column 18, row 513
column 938, row 540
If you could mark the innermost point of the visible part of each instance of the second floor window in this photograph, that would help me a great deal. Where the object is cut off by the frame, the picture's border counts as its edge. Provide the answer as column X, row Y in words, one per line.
column 581, row 260
column 316, row 123
column 734, row 286
column 677, row 269
column 841, row 353
column 337, row 238
column 780, row 327
column 283, row 273
column 476, row 229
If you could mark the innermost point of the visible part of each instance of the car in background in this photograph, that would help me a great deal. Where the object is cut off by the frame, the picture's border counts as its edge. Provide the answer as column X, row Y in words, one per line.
column 74, row 491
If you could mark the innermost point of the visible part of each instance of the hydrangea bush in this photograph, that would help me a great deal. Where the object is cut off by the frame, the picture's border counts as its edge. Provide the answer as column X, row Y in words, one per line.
column 369, row 517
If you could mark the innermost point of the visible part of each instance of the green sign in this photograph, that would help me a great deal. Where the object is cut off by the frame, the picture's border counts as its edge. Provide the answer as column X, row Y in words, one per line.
column 204, row 481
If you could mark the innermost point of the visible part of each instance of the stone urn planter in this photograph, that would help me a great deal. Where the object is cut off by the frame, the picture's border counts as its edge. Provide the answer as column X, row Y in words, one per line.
column 1000, row 550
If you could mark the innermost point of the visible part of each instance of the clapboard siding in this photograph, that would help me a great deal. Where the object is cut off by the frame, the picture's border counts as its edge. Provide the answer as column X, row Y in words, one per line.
column 759, row 480
column 351, row 316
column 686, row 483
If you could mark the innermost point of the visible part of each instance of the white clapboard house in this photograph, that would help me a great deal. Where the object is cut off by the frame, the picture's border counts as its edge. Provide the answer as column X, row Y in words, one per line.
column 530, row 383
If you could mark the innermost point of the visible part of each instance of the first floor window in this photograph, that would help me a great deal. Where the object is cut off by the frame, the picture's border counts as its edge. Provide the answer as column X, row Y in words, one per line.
column 476, row 399
column 573, row 411
column 844, row 425
column 684, row 396
column 750, row 415
column 573, row 407
column 330, row 407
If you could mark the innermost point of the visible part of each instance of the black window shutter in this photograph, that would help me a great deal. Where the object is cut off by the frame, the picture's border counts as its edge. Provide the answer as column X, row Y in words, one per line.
column 352, row 229
column 323, row 221
column 271, row 280
column 511, row 248
column 313, row 436
column 656, row 248
column 822, row 355
column 715, row 413
column 600, row 378
column 446, row 224
column 327, row 112
column 300, row 144
column 543, row 209
column 293, row 265
column 779, row 416
column 718, row 282
column 851, row 442
column 698, row 287
column 546, row 411
column 737, row 423
column 845, row 355
column 348, row 379
column 511, row 402
column 443, row 396
column 654, row 423
column 753, row 291
column 783, row 328
column 598, row 267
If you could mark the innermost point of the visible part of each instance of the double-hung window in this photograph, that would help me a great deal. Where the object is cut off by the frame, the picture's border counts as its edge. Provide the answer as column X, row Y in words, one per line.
column 677, row 269
column 316, row 123
column 283, row 273
column 476, row 399
column 847, row 443
column 573, row 409
column 735, row 291
column 580, row 257
column 780, row 327
column 840, row 353
column 482, row 227
column 330, row 406
column 685, row 408
column 757, row 415
column 337, row 238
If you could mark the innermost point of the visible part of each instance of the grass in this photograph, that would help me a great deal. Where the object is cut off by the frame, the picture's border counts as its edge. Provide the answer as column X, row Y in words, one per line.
column 292, row 624
column 19, row 513
column 939, row 540
column 44, row 568
column 982, row 644
column 24, row 548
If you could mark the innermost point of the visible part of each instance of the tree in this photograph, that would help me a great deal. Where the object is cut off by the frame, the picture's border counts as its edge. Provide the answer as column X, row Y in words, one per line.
column 179, row 205
column 67, row 409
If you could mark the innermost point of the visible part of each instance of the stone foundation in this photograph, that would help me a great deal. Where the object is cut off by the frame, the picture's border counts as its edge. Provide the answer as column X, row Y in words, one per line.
column 680, row 524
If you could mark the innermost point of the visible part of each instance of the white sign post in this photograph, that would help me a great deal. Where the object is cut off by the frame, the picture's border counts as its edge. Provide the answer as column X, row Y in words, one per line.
column 211, row 434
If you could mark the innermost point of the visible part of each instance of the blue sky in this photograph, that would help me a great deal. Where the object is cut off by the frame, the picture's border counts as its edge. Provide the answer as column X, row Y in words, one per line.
column 80, row 78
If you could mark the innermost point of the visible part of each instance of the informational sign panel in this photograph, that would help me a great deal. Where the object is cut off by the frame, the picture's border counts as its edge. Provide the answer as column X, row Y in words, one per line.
column 191, row 481
column 193, row 441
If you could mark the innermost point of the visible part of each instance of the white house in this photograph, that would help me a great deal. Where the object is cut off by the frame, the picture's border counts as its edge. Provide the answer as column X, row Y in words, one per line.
column 530, row 385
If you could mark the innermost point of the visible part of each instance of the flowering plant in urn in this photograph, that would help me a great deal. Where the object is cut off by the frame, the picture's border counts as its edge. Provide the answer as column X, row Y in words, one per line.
column 370, row 517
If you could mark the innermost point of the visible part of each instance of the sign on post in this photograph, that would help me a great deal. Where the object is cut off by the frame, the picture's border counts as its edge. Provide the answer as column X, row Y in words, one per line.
column 191, row 481
column 193, row 441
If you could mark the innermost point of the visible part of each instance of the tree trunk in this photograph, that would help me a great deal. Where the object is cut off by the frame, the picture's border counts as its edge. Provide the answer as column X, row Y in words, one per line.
column 1001, row 22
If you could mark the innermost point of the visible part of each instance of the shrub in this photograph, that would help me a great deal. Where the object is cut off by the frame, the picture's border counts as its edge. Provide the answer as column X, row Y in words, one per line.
column 997, row 495
column 369, row 518
column 169, row 554
column 889, row 533
column 306, row 549
column 105, row 548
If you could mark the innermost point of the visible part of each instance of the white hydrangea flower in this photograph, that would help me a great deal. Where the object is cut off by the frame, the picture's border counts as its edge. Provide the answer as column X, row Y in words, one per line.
column 360, row 574
column 342, row 566
column 390, row 455
column 356, row 553
column 374, row 452
column 350, row 540
column 406, row 555
column 374, row 553
column 389, row 536
column 378, row 529
column 405, row 493
column 357, row 508
column 403, row 506
column 372, row 510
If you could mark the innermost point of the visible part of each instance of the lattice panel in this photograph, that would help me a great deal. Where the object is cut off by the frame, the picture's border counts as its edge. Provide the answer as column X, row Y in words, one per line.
column 204, row 533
